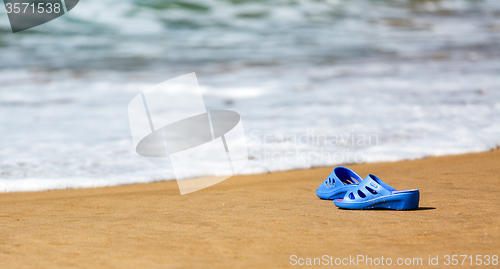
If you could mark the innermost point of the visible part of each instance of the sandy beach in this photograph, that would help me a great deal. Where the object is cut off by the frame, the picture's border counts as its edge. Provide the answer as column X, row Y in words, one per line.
column 104, row 103
column 256, row 221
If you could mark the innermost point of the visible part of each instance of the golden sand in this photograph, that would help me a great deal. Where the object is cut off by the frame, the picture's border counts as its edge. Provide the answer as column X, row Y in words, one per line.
column 256, row 221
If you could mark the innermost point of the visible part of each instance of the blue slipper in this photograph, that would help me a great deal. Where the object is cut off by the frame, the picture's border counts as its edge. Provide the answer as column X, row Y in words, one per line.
column 374, row 193
column 338, row 183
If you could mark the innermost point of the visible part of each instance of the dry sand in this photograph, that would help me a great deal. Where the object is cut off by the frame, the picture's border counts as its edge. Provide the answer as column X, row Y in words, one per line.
column 256, row 221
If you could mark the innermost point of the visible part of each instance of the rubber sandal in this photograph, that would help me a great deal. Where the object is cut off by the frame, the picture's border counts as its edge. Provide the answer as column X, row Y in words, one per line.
column 338, row 183
column 374, row 193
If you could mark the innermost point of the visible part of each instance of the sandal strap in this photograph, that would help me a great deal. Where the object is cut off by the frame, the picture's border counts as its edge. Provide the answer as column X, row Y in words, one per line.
column 371, row 187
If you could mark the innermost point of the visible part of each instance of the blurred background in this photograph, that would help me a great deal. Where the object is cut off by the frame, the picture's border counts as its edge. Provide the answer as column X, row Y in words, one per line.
column 423, row 77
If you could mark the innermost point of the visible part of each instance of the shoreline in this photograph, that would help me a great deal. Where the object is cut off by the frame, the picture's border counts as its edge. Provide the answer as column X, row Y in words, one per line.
column 256, row 174
column 256, row 220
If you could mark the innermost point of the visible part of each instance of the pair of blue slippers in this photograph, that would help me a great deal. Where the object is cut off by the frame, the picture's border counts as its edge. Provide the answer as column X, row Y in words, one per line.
column 348, row 190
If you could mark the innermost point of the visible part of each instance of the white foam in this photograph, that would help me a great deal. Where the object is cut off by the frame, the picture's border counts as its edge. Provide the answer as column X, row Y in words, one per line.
column 416, row 82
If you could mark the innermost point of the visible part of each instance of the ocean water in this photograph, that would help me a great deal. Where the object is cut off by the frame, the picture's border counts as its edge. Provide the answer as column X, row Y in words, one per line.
column 316, row 83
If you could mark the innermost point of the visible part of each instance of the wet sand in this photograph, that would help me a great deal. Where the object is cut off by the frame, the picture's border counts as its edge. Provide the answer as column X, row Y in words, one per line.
column 256, row 221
